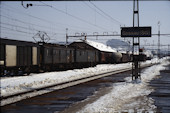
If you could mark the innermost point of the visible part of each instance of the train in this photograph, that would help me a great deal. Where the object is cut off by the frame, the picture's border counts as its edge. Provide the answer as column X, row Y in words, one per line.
column 24, row 57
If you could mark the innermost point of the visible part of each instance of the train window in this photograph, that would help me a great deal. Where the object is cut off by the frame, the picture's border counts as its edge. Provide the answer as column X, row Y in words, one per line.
column 83, row 53
column 54, row 52
column 68, row 52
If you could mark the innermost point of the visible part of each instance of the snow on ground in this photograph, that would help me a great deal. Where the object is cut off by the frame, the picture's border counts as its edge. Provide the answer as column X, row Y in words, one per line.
column 127, row 96
column 14, row 85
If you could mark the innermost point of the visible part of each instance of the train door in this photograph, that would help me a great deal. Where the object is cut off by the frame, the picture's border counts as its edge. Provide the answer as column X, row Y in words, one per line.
column 34, row 55
column 11, row 55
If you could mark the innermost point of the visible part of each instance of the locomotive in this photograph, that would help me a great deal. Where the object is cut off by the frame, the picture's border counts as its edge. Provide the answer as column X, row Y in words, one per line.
column 27, row 57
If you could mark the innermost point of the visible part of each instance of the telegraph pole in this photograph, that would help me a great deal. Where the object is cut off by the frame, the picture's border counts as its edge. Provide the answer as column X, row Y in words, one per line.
column 66, row 36
column 168, row 50
column 159, row 39
column 136, row 42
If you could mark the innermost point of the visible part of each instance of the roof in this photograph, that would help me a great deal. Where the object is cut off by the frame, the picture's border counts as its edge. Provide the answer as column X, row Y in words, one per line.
column 98, row 46
column 17, row 42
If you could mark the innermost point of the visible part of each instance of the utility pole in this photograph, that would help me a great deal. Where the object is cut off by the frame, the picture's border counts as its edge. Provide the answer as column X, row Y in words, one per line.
column 168, row 50
column 136, row 43
column 66, row 36
column 159, row 39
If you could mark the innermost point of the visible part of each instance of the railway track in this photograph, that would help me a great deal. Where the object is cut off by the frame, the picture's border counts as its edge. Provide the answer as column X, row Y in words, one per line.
column 42, row 90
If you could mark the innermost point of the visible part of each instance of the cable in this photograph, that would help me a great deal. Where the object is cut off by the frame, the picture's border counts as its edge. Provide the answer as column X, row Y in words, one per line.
column 17, row 20
column 44, row 19
column 73, row 16
column 18, row 26
column 95, row 10
column 24, row 22
column 16, row 30
column 28, row 28
column 24, row 27
column 106, row 14
column 12, row 33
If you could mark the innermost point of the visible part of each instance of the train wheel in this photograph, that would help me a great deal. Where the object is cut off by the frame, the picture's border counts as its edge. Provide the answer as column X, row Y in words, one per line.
column 14, row 72
column 28, row 71
column 2, row 72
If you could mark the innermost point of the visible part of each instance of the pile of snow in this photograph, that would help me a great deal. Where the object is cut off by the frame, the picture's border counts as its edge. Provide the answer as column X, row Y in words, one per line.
column 14, row 85
column 99, row 46
column 127, row 96
column 148, row 53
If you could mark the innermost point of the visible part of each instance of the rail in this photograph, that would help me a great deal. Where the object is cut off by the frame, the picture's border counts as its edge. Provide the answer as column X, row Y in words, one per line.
column 8, row 99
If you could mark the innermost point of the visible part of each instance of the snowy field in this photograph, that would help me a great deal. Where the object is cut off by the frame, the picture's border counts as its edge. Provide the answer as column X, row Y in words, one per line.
column 128, row 96
column 14, row 85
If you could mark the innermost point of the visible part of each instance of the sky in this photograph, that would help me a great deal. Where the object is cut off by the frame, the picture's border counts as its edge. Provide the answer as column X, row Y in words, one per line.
column 98, row 17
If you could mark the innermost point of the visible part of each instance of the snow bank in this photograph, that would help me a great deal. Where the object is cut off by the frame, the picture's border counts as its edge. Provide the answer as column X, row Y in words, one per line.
column 127, row 96
column 98, row 45
column 14, row 85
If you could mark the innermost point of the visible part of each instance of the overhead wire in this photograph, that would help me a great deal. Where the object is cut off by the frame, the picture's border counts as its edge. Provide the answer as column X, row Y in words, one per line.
column 23, row 27
column 16, row 30
column 17, row 20
column 73, row 27
column 27, row 23
column 80, row 19
column 12, row 33
column 60, row 11
column 18, row 26
column 95, row 10
column 33, row 29
column 106, row 14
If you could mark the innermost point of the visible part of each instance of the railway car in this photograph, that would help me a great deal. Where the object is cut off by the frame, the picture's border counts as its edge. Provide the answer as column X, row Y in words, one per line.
column 18, row 56
column 84, row 55
column 109, row 57
column 55, row 57
column 106, row 53
column 117, row 57
column 23, row 56
column 140, row 57
column 103, row 53
column 126, row 57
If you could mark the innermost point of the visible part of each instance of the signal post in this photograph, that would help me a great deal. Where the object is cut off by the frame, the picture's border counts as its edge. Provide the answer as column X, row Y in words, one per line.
column 136, row 32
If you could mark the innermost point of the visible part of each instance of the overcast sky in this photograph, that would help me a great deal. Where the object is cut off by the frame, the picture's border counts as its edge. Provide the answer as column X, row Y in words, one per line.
column 53, row 17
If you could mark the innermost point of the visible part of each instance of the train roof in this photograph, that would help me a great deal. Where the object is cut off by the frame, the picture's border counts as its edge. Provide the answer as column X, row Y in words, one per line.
column 17, row 42
column 98, row 46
